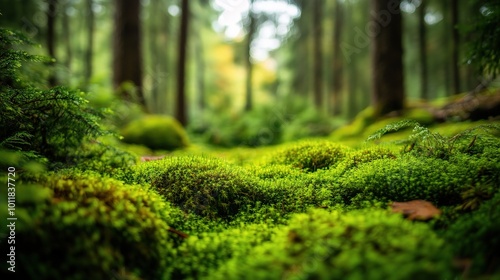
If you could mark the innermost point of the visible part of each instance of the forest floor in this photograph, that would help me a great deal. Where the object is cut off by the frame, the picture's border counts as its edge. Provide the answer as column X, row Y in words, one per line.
column 399, row 198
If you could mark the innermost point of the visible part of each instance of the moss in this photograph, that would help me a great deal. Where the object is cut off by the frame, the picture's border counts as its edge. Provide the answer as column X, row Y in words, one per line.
column 404, row 179
column 93, row 228
column 311, row 155
column 477, row 236
column 357, row 245
column 356, row 158
column 156, row 132
column 208, row 187
column 200, row 255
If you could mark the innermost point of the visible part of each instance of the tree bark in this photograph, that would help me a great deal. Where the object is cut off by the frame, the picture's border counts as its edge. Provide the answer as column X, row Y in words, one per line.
column 387, row 58
column 67, row 37
column 51, row 36
column 89, row 53
column 249, row 64
column 127, row 57
column 181, row 112
column 422, row 30
column 337, row 60
column 455, row 48
column 318, row 58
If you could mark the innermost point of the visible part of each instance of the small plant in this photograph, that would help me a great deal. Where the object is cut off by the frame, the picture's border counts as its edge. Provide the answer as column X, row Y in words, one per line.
column 426, row 143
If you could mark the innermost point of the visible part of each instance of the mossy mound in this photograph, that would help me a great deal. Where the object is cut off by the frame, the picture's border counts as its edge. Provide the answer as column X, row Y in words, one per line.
column 476, row 236
column 93, row 228
column 406, row 178
column 369, row 244
column 311, row 155
column 156, row 132
column 201, row 255
column 356, row 158
column 205, row 186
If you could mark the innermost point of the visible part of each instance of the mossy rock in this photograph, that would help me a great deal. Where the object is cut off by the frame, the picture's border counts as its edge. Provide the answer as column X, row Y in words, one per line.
column 156, row 132
column 311, row 155
column 93, row 228
column 368, row 244
column 205, row 186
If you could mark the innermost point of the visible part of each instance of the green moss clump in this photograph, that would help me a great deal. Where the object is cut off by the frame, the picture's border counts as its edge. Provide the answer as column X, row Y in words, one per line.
column 201, row 255
column 406, row 178
column 368, row 244
column 476, row 235
column 93, row 228
column 205, row 186
column 156, row 132
column 359, row 157
column 311, row 155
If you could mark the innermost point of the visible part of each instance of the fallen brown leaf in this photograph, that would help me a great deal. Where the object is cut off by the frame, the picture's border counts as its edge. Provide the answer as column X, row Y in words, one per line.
column 416, row 209
column 150, row 158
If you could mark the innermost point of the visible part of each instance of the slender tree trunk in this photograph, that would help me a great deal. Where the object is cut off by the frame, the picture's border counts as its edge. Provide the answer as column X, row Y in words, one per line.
column 387, row 59
column 67, row 37
column 181, row 112
column 455, row 48
column 337, row 60
column 422, row 30
column 154, row 53
column 51, row 35
column 318, row 54
column 127, row 57
column 200, row 72
column 249, row 64
column 444, row 58
column 90, row 41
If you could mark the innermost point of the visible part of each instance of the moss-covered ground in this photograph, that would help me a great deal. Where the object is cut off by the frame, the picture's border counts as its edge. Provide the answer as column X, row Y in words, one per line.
column 310, row 209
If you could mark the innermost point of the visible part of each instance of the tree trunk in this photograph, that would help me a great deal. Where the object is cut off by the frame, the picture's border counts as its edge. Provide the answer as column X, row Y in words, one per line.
column 154, row 54
column 127, row 57
column 200, row 71
column 455, row 48
column 51, row 35
column 67, row 37
column 90, row 41
column 318, row 58
column 424, row 94
column 387, row 58
column 249, row 64
column 337, row 60
column 181, row 112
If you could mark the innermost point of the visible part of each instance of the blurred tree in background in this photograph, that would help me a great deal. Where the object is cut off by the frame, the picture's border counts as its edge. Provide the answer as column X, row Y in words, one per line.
column 236, row 58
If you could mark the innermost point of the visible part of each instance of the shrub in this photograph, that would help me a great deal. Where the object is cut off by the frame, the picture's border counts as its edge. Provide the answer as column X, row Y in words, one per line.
column 369, row 244
column 156, row 132
column 476, row 235
column 205, row 186
column 92, row 228
column 311, row 155
column 36, row 120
